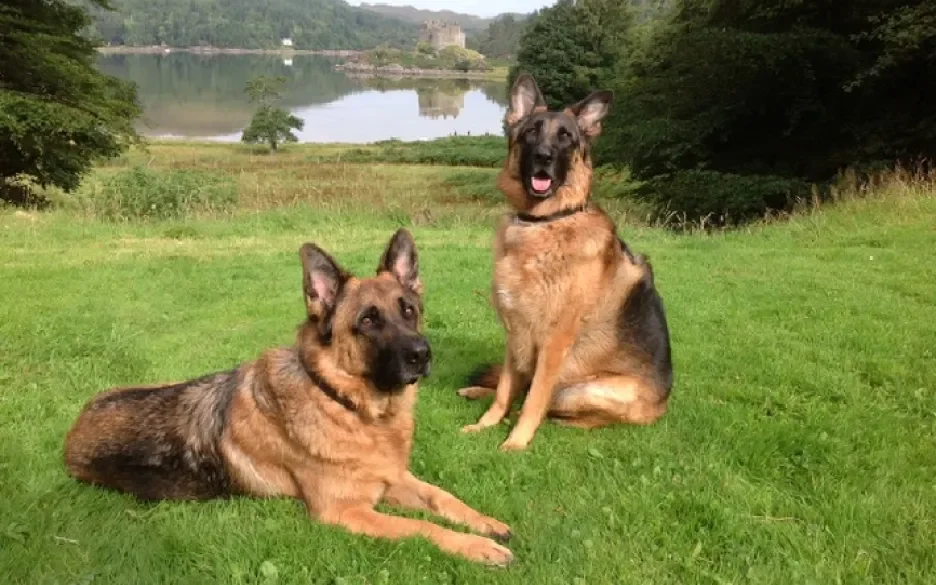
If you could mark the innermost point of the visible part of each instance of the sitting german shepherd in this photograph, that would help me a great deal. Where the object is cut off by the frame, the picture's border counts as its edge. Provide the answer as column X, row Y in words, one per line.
column 329, row 420
column 587, row 337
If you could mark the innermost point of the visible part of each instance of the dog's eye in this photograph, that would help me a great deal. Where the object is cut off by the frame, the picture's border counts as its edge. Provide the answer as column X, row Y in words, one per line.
column 563, row 134
column 370, row 319
column 408, row 311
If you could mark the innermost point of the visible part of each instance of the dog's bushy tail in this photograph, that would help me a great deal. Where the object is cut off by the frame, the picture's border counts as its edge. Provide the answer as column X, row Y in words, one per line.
column 486, row 376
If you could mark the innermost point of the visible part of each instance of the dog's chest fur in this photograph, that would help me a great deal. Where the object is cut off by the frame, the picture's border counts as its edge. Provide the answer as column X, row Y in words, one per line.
column 544, row 271
column 313, row 436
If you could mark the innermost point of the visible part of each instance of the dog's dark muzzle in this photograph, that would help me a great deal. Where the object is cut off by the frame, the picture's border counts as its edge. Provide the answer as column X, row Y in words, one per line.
column 416, row 356
column 541, row 182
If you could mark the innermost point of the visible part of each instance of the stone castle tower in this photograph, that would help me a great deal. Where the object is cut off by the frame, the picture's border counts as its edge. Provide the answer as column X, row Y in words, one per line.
column 442, row 34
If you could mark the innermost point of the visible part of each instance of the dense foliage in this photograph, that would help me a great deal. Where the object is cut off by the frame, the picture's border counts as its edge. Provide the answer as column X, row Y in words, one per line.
column 451, row 58
column 729, row 108
column 571, row 47
column 58, row 114
column 469, row 23
column 311, row 24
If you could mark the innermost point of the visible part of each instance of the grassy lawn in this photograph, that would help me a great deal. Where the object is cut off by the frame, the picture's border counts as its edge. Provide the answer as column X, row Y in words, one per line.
column 800, row 446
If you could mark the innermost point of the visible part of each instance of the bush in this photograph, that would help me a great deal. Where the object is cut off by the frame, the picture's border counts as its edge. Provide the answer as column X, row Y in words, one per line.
column 139, row 193
column 721, row 198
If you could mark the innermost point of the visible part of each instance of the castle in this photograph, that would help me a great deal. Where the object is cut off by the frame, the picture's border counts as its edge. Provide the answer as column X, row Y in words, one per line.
column 442, row 34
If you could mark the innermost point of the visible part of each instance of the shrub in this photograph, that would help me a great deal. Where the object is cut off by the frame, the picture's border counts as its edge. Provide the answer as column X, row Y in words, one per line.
column 139, row 193
column 720, row 198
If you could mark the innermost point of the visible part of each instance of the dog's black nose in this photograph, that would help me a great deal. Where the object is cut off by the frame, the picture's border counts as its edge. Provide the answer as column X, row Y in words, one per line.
column 418, row 353
column 544, row 155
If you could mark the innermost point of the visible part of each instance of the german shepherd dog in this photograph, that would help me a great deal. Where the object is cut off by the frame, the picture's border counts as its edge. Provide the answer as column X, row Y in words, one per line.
column 587, row 337
column 328, row 421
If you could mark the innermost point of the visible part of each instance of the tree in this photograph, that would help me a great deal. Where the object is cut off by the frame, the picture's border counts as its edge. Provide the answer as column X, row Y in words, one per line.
column 735, row 107
column 572, row 48
column 270, row 124
column 58, row 114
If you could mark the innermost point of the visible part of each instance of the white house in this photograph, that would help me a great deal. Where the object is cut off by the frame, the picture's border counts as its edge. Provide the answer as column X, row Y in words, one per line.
column 287, row 42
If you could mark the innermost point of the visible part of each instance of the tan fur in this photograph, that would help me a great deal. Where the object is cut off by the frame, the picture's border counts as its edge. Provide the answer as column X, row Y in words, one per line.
column 286, row 437
column 283, row 435
column 558, row 288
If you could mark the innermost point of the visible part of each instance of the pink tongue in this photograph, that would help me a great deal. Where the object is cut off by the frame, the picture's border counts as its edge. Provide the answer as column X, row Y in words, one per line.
column 541, row 184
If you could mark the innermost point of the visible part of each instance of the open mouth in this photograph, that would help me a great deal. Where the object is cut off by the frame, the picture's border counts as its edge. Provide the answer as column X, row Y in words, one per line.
column 541, row 183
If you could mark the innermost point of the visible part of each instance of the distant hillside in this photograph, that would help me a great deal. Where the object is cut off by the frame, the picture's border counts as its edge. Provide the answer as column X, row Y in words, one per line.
column 468, row 22
column 250, row 24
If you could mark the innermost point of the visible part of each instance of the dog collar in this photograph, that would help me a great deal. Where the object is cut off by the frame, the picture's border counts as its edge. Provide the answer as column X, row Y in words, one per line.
column 527, row 218
column 327, row 389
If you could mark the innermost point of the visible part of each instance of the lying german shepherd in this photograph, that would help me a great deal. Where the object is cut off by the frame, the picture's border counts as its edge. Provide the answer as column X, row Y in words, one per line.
column 329, row 420
column 587, row 337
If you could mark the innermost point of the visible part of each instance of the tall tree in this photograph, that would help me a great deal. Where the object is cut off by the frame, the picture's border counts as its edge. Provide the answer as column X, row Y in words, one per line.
column 896, row 118
column 58, row 114
column 572, row 47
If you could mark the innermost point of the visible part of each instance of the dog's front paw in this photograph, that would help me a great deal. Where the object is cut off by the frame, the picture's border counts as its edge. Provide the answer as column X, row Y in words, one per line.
column 484, row 550
column 495, row 529
column 514, row 444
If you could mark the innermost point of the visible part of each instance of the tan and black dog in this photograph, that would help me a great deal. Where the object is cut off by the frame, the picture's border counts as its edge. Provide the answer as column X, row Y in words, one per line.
column 587, row 337
column 329, row 420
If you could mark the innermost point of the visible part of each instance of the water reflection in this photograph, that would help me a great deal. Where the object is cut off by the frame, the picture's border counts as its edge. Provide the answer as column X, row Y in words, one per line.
column 201, row 96
column 436, row 103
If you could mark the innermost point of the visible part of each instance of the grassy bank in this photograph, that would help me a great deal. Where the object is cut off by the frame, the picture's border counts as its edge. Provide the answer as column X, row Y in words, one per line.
column 443, row 182
column 798, row 447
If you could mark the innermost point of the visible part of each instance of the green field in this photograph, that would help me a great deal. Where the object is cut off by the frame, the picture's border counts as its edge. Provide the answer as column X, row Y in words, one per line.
column 800, row 445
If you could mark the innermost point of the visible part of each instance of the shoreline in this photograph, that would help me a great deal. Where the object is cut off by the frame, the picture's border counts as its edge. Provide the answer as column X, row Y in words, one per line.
column 161, row 50
column 351, row 69
column 363, row 71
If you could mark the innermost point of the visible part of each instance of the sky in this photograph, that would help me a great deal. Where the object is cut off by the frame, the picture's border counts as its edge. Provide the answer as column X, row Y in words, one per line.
column 485, row 8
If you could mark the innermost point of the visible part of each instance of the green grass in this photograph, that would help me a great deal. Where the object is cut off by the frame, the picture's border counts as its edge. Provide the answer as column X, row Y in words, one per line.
column 475, row 151
column 799, row 446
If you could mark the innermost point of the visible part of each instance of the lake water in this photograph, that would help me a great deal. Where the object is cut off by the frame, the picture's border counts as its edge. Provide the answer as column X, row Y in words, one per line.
column 202, row 97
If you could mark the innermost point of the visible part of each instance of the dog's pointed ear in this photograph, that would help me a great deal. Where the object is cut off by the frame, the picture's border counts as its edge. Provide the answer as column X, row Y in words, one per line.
column 525, row 97
column 591, row 111
column 402, row 261
column 322, row 280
